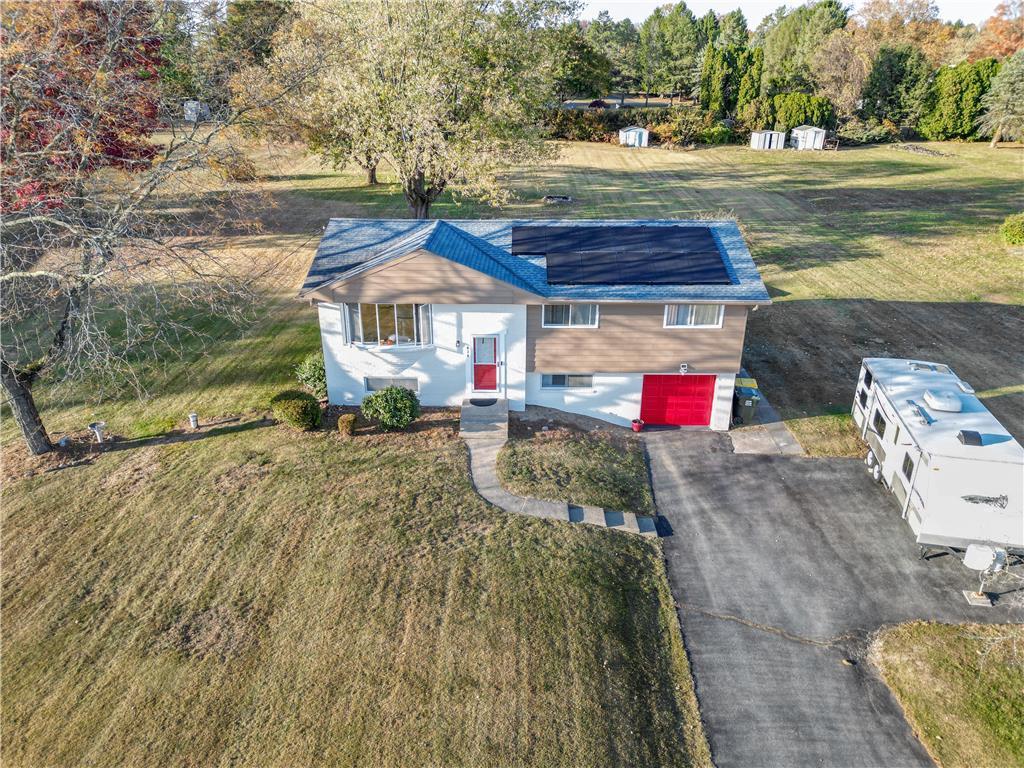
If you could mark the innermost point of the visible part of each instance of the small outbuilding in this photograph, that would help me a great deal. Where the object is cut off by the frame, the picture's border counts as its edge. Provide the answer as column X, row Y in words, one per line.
column 196, row 111
column 807, row 137
column 768, row 140
column 634, row 136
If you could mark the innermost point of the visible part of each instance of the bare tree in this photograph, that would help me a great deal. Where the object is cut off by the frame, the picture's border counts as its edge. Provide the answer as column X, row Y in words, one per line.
column 105, row 223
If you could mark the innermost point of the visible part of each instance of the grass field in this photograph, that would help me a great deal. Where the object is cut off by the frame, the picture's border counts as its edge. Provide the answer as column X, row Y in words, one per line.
column 262, row 597
column 960, row 687
column 257, row 596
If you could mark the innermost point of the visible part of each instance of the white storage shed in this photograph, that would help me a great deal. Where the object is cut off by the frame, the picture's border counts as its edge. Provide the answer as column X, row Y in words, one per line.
column 955, row 470
column 807, row 137
column 633, row 136
column 196, row 111
column 768, row 140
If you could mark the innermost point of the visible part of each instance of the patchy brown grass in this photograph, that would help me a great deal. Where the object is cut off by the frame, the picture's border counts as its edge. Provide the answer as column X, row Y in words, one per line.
column 961, row 688
column 264, row 597
column 601, row 467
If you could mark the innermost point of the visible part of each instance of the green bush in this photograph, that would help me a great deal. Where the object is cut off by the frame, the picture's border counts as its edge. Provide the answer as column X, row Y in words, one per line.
column 1013, row 229
column 392, row 407
column 346, row 424
column 716, row 134
column 857, row 131
column 689, row 124
column 311, row 374
column 793, row 109
column 297, row 409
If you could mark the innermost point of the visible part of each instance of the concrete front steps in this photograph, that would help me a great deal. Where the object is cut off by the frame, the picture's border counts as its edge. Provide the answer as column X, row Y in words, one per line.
column 642, row 525
column 484, row 419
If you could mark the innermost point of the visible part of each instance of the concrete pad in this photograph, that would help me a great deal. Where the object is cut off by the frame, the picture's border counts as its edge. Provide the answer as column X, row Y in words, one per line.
column 593, row 516
column 647, row 526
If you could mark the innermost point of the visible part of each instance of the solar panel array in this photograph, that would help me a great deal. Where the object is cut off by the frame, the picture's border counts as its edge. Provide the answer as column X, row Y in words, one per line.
column 624, row 255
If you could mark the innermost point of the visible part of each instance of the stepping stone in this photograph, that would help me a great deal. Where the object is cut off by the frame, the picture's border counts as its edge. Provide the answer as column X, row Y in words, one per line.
column 593, row 516
column 648, row 526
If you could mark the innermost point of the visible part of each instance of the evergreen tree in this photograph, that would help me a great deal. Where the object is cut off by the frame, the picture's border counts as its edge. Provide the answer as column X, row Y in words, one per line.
column 680, row 27
column 1003, row 117
column 750, row 81
column 732, row 30
column 618, row 41
column 897, row 86
column 955, row 100
column 707, row 29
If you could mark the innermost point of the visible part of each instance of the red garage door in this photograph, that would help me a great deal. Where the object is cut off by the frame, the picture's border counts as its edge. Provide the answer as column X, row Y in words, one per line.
column 683, row 400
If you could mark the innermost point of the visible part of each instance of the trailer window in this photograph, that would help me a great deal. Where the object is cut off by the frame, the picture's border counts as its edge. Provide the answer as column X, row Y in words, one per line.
column 863, row 398
column 868, row 378
column 908, row 466
column 878, row 422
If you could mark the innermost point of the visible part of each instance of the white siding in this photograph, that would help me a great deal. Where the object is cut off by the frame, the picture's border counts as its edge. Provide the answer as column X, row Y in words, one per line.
column 443, row 369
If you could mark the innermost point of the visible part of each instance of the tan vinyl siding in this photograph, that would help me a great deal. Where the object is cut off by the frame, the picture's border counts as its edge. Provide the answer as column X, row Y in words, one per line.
column 423, row 278
column 630, row 338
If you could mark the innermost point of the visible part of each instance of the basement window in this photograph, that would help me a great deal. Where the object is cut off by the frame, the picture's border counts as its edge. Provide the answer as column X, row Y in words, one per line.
column 377, row 383
column 566, row 381
column 389, row 325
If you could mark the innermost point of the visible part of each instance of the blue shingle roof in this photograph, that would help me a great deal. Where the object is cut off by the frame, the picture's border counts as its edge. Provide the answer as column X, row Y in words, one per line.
column 351, row 246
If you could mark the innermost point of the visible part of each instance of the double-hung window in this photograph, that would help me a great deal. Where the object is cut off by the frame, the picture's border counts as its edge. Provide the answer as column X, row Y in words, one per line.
column 694, row 315
column 389, row 325
column 570, row 316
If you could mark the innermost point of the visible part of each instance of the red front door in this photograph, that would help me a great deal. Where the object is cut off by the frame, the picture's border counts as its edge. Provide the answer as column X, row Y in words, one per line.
column 678, row 399
column 485, row 363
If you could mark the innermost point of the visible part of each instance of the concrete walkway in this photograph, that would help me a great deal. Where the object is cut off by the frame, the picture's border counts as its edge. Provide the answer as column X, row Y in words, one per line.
column 485, row 432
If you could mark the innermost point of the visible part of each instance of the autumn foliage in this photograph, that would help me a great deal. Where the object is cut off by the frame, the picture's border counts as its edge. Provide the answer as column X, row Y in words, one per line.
column 75, row 97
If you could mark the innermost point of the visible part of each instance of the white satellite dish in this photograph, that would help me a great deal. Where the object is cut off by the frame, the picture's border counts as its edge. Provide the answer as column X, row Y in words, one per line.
column 986, row 560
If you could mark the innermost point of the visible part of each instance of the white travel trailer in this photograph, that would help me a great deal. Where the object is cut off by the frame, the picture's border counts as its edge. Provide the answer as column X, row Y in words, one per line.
column 956, row 472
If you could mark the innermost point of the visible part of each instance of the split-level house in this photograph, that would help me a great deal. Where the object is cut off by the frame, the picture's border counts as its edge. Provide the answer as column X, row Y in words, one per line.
column 612, row 319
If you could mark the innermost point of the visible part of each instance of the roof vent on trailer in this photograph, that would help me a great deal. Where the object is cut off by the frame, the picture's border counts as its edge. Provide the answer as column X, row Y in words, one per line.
column 943, row 400
column 968, row 437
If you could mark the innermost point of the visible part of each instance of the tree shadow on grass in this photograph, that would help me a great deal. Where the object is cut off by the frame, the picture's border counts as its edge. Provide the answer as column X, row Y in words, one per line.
column 806, row 355
column 219, row 428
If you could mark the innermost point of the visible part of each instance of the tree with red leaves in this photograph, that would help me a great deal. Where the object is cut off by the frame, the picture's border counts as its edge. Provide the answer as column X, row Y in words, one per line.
column 86, row 234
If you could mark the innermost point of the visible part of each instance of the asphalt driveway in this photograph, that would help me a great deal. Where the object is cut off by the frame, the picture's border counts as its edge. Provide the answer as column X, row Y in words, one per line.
column 782, row 567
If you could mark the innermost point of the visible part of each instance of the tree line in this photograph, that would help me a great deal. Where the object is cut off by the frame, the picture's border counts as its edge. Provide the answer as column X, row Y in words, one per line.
column 892, row 69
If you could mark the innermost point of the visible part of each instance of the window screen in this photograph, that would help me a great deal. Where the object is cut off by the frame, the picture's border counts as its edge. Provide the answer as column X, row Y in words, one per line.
column 878, row 422
column 908, row 466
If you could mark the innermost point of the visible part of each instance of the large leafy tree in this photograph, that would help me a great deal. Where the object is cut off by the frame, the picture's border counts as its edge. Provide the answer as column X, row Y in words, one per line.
column 449, row 93
column 95, row 275
column 579, row 69
column 897, row 86
column 790, row 44
column 618, row 41
column 1003, row 105
column 839, row 68
column 1003, row 34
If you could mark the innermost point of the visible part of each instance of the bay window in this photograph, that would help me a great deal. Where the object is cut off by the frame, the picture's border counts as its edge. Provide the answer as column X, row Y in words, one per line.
column 389, row 325
column 694, row 315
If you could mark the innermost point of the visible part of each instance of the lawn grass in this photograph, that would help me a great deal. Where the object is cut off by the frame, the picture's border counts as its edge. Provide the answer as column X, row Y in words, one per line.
column 599, row 468
column 961, row 688
column 263, row 597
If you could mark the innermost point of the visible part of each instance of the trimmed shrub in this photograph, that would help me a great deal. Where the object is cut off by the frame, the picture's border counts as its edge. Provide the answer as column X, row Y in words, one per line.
column 1013, row 229
column 297, row 409
column 716, row 134
column 311, row 374
column 602, row 125
column 689, row 124
column 793, row 109
column 392, row 407
column 346, row 424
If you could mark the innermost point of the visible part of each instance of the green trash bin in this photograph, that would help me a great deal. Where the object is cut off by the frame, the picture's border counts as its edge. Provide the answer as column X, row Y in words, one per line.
column 744, row 405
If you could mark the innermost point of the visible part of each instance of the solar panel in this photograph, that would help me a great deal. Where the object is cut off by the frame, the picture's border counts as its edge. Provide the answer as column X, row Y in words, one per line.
column 624, row 255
